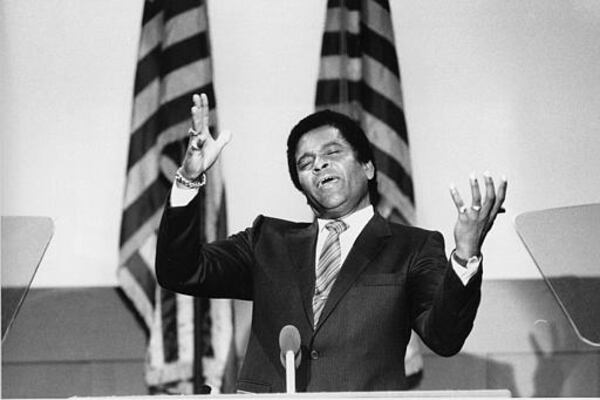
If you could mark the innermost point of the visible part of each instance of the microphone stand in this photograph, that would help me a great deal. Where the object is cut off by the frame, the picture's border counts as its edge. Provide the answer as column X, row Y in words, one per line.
column 290, row 372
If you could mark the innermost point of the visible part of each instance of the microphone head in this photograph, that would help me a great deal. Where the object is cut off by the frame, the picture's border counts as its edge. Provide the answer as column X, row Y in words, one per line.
column 289, row 339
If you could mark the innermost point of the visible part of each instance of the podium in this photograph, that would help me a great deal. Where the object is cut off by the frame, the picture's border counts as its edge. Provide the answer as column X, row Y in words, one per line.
column 565, row 246
column 24, row 242
column 417, row 394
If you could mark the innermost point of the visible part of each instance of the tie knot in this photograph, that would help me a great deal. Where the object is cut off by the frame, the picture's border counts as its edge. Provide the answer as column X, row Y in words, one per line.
column 338, row 226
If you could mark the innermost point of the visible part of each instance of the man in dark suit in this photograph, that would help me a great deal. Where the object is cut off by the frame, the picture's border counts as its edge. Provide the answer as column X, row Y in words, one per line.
column 352, row 283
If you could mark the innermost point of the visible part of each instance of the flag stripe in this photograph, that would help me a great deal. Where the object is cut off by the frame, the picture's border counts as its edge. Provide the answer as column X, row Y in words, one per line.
column 379, row 48
column 138, row 238
column 345, row 43
column 172, row 154
column 329, row 92
column 169, row 325
column 174, row 84
column 145, row 104
column 385, row 4
column 136, row 295
column 340, row 67
column 348, row 4
column 141, row 176
column 398, row 200
column 173, row 8
column 151, row 9
column 151, row 200
column 184, row 52
column 382, row 80
column 183, row 26
column 151, row 36
column 378, row 20
column 382, row 136
column 148, row 69
column 351, row 20
column 142, row 274
column 390, row 167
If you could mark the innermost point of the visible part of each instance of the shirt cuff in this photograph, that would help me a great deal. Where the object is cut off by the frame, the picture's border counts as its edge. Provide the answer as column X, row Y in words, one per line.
column 181, row 197
column 467, row 272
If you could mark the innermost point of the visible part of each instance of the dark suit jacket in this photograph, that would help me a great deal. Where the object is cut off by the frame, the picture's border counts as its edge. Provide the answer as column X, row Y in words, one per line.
column 395, row 278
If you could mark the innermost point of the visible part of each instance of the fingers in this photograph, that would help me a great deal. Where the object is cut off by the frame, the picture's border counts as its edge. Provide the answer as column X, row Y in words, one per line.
column 200, row 132
column 196, row 113
column 500, row 196
column 200, row 113
column 197, row 140
column 492, row 203
column 475, row 193
column 490, row 192
column 458, row 201
column 204, row 111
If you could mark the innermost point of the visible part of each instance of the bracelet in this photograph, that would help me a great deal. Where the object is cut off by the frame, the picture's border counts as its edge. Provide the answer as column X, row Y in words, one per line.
column 190, row 184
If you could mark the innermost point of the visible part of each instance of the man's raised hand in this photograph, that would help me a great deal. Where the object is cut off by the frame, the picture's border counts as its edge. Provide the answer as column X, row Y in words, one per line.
column 474, row 222
column 203, row 150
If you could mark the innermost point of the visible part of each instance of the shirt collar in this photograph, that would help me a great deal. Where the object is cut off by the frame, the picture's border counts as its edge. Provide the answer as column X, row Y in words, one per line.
column 357, row 219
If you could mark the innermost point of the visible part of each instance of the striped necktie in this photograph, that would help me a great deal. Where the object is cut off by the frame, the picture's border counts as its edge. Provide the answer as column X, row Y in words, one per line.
column 330, row 262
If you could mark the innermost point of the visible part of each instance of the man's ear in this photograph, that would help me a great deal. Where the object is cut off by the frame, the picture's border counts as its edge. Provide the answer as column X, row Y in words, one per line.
column 369, row 169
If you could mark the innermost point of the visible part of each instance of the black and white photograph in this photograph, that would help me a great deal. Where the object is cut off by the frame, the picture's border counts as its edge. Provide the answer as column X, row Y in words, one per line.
column 300, row 198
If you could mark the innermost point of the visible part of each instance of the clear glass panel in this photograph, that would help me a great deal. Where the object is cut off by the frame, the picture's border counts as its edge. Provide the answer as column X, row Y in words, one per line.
column 565, row 245
column 24, row 241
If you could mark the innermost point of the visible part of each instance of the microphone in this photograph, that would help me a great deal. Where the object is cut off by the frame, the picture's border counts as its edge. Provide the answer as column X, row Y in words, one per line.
column 289, row 343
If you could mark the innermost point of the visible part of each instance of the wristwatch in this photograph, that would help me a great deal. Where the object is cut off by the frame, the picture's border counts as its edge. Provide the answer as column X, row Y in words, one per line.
column 462, row 262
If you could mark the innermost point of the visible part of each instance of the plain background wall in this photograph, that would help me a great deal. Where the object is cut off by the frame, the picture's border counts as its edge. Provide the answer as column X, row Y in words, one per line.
column 506, row 86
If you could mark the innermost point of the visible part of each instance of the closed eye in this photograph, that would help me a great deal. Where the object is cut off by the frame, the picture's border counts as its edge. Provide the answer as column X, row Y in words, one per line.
column 303, row 163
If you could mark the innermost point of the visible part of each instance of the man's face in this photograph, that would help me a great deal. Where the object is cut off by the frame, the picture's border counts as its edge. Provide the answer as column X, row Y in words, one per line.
column 332, row 179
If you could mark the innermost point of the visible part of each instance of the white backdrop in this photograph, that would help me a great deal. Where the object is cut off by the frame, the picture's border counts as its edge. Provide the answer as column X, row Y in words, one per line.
column 509, row 86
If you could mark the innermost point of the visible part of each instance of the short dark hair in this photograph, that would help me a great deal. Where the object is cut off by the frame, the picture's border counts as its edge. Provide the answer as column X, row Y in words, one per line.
column 350, row 130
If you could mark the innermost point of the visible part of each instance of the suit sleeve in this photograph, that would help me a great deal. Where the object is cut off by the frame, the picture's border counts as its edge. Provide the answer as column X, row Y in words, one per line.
column 186, row 264
column 442, row 308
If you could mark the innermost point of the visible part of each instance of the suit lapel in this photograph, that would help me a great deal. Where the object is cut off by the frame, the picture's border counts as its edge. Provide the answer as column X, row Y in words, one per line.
column 301, row 246
column 367, row 246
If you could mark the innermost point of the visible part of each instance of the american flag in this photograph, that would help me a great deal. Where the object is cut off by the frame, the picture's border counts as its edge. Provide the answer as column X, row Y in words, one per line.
column 359, row 76
column 189, row 339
